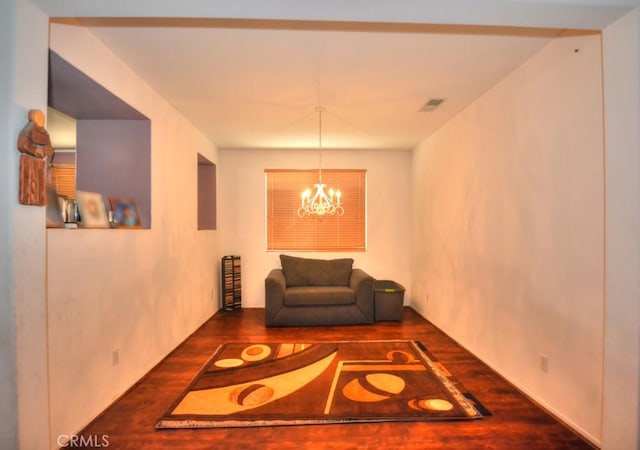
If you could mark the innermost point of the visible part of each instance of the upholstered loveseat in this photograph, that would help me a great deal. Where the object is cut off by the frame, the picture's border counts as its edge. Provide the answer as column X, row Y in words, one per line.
column 314, row 292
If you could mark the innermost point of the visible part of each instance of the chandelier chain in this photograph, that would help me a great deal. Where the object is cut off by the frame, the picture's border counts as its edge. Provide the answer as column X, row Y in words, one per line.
column 320, row 203
column 320, row 109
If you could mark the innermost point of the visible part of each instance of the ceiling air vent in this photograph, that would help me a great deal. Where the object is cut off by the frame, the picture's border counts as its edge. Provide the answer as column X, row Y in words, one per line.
column 431, row 104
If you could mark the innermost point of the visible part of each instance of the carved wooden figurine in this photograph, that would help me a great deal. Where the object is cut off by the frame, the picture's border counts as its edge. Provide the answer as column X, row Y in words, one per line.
column 35, row 146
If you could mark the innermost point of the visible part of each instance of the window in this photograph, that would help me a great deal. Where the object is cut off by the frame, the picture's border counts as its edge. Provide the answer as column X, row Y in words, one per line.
column 63, row 174
column 287, row 231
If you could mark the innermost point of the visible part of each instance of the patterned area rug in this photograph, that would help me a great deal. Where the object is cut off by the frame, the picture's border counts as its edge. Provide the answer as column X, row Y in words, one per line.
column 247, row 385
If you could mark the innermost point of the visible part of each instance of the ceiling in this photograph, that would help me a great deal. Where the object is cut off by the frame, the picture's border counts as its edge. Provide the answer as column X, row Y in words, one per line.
column 256, row 83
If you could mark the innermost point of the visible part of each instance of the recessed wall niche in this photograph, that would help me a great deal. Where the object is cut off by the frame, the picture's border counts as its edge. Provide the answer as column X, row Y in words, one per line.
column 113, row 140
column 207, row 208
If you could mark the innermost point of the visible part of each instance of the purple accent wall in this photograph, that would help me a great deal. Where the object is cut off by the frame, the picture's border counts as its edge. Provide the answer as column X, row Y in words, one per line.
column 114, row 158
column 207, row 208
column 60, row 157
column 78, row 96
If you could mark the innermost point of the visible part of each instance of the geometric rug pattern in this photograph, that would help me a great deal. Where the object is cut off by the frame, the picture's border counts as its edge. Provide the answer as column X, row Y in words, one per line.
column 302, row 383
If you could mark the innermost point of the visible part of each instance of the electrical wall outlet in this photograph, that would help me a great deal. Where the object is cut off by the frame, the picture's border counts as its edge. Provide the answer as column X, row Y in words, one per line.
column 115, row 357
column 544, row 363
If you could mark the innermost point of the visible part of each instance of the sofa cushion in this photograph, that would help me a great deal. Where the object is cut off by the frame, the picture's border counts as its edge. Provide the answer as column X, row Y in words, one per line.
column 319, row 296
column 316, row 272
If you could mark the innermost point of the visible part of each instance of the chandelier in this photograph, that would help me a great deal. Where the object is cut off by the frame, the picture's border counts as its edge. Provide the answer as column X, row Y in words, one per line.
column 321, row 202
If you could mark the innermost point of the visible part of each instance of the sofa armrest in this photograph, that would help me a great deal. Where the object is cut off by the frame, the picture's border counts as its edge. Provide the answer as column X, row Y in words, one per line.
column 274, row 286
column 362, row 284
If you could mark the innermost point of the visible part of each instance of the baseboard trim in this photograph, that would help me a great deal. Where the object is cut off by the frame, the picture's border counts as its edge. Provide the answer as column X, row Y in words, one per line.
column 596, row 443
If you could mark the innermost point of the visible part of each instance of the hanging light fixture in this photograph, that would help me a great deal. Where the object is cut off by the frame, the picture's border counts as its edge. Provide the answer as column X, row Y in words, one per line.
column 320, row 203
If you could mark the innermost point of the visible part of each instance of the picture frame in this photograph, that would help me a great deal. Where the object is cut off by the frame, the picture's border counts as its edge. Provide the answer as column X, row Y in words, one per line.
column 125, row 212
column 92, row 210
column 54, row 212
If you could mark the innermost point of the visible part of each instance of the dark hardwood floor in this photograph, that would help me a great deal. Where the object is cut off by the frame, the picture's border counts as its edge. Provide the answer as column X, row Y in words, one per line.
column 516, row 423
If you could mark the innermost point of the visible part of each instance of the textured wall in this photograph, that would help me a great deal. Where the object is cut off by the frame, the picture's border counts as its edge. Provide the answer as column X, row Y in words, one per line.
column 29, row 237
column 621, row 42
column 8, row 200
column 509, row 228
column 135, row 292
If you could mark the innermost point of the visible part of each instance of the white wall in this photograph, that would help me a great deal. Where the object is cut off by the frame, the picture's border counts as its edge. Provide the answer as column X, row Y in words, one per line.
column 509, row 226
column 8, row 200
column 137, row 292
column 621, row 423
column 241, row 213
column 26, row 295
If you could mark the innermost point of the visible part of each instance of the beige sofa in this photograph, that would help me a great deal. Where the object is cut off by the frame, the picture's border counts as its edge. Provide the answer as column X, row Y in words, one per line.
column 318, row 292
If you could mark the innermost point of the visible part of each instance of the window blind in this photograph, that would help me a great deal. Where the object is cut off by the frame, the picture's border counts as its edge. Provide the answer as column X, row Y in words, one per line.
column 63, row 178
column 287, row 231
